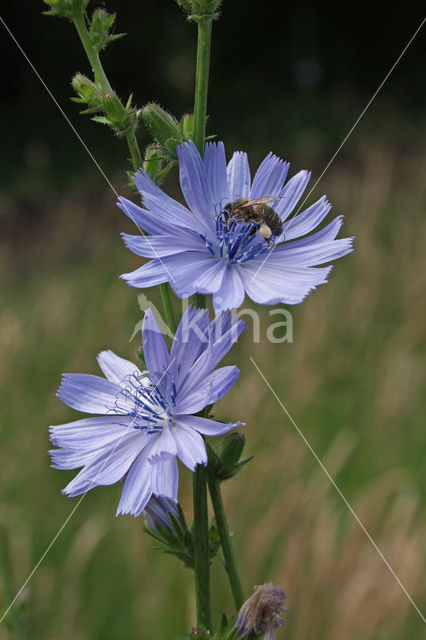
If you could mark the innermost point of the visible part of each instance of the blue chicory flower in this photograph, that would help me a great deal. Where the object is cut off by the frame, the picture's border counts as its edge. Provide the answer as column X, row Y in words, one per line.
column 205, row 248
column 147, row 418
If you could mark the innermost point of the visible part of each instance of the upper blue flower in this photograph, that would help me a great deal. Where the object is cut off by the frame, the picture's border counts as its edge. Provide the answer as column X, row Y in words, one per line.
column 147, row 419
column 206, row 249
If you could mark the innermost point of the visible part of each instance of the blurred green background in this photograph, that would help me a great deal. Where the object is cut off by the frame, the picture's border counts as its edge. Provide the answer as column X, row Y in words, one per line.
column 292, row 79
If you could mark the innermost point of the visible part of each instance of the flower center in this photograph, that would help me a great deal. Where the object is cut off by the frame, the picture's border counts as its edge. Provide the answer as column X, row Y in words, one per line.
column 237, row 241
column 141, row 399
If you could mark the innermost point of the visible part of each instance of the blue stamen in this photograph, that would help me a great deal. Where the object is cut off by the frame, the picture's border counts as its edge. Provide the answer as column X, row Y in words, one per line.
column 145, row 403
column 236, row 241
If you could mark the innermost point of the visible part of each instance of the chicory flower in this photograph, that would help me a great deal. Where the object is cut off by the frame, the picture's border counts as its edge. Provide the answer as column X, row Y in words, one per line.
column 220, row 244
column 146, row 419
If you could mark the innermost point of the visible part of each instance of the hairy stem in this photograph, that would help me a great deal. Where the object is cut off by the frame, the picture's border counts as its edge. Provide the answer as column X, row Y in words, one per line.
column 225, row 539
column 200, row 103
column 201, row 527
column 169, row 311
column 103, row 82
column 201, row 549
column 92, row 54
column 202, row 82
column 135, row 154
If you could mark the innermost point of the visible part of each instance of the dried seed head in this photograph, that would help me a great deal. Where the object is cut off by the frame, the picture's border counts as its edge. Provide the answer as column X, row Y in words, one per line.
column 263, row 611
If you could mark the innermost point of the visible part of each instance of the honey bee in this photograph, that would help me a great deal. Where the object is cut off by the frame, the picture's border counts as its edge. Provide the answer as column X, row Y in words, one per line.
column 257, row 211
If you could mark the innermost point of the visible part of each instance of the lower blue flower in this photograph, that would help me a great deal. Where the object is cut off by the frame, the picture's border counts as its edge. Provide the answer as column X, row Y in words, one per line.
column 146, row 418
column 235, row 236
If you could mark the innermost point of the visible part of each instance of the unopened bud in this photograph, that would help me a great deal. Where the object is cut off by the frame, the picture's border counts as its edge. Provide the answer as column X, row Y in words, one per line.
column 201, row 10
column 113, row 106
column 161, row 124
column 187, row 125
column 228, row 462
column 158, row 511
column 66, row 8
column 262, row 612
column 88, row 92
column 100, row 27
column 154, row 160
column 118, row 117
column 233, row 447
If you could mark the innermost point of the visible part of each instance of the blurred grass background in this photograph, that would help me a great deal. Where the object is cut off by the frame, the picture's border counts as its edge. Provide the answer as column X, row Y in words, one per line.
column 353, row 379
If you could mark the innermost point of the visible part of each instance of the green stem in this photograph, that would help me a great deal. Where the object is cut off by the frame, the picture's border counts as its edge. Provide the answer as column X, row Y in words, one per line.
column 135, row 154
column 201, row 526
column 199, row 300
column 225, row 539
column 202, row 82
column 200, row 102
column 201, row 549
column 102, row 80
column 169, row 311
column 93, row 56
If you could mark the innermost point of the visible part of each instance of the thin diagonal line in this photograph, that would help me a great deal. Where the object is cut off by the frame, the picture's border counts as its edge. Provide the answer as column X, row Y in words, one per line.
column 299, row 431
column 64, row 524
column 82, row 141
column 345, row 139
column 58, row 106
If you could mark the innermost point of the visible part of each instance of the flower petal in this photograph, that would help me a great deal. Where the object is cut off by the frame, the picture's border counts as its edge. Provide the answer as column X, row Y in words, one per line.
column 205, row 426
column 165, row 245
column 211, row 278
column 185, row 268
column 194, row 184
column 215, row 164
column 137, row 487
column 224, row 330
column 163, row 207
column 306, row 221
column 155, row 352
column 165, row 478
column 238, row 176
column 164, row 447
column 197, row 395
column 230, row 294
column 116, row 369
column 269, row 178
column 144, row 219
column 270, row 282
column 109, row 466
column 149, row 275
column 89, row 434
column 190, row 446
column 318, row 248
column 191, row 339
column 88, row 393
column 291, row 194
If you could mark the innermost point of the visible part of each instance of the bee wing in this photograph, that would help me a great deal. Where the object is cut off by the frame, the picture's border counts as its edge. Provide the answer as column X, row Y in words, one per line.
column 264, row 200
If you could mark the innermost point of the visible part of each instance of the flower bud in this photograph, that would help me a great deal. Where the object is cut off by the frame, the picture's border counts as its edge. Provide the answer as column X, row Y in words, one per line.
column 100, row 27
column 187, row 126
column 113, row 107
column 158, row 511
column 119, row 117
column 66, row 8
column 262, row 612
column 201, row 10
column 161, row 124
column 153, row 161
column 228, row 462
column 88, row 93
